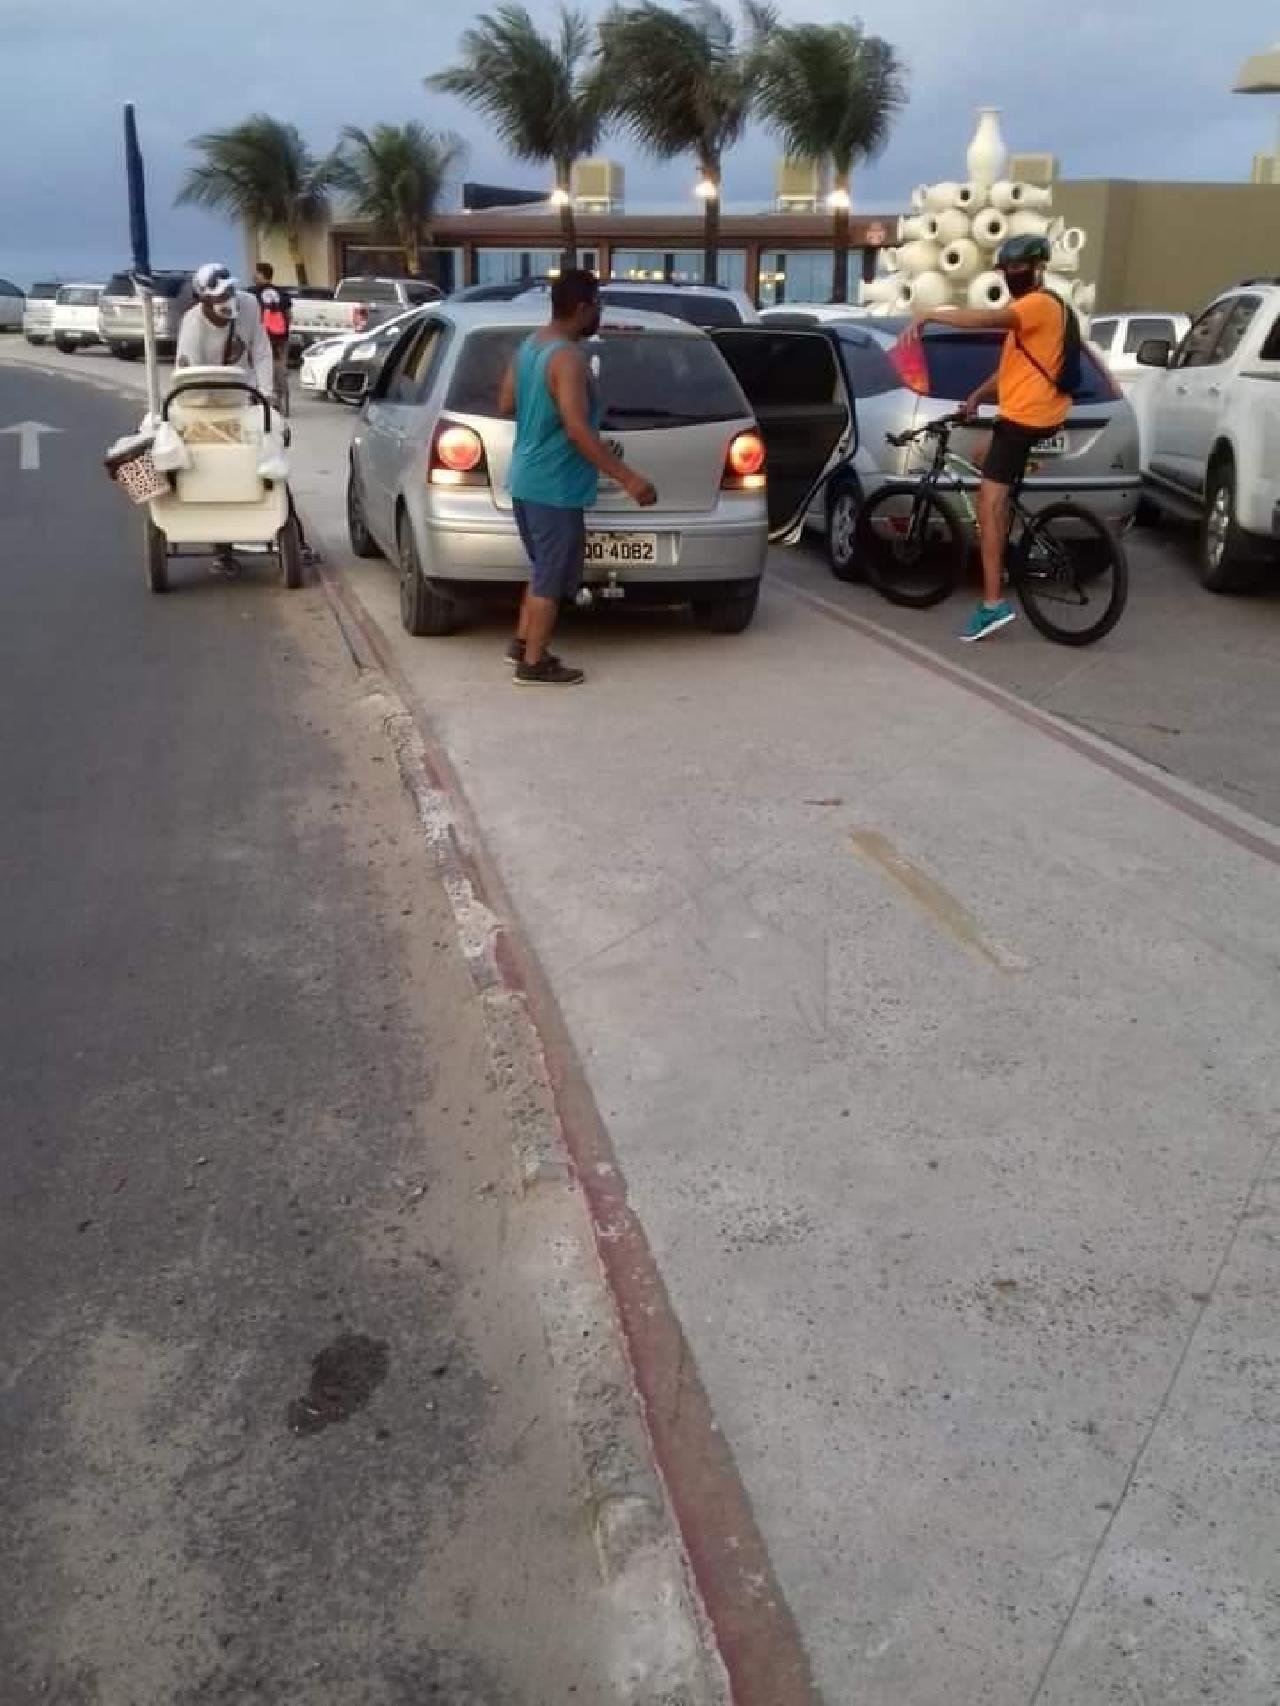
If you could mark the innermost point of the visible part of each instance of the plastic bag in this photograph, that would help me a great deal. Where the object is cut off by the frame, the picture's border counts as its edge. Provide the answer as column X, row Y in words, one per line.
column 168, row 451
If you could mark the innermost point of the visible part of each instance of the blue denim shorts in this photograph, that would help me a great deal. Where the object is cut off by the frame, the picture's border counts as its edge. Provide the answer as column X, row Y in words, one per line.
column 555, row 542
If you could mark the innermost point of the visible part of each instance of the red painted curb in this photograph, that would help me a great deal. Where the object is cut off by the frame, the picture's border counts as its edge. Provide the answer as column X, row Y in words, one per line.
column 753, row 1627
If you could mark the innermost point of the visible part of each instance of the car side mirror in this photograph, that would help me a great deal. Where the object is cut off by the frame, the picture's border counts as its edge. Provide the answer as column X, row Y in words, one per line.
column 1154, row 352
column 351, row 388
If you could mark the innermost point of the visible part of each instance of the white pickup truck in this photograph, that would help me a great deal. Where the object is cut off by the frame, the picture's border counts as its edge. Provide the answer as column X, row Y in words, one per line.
column 356, row 304
column 1209, row 428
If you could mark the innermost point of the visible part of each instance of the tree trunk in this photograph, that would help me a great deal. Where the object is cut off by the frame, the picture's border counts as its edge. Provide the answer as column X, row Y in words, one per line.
column 410, row 248
column 840, row 235
column 295, row 255
column 711, row 225
column 568, row 219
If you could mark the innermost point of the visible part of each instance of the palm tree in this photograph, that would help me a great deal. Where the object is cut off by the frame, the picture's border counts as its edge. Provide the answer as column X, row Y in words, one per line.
column 262, row 173
column 393, row 176
column 682, row 82
column 538, row 92
column 831, row 92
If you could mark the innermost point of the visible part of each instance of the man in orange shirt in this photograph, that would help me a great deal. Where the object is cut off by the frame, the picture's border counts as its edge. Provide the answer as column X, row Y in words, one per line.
column 1031, row 406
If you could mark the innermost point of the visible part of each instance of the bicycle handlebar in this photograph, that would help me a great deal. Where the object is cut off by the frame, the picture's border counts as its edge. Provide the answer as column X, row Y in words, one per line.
column 931, row 429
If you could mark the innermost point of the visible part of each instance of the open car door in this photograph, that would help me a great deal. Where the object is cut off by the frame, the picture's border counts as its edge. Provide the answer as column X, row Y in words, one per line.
column 796, row 388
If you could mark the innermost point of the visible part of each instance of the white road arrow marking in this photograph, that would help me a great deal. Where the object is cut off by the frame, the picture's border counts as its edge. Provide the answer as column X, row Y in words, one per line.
column 29, row 433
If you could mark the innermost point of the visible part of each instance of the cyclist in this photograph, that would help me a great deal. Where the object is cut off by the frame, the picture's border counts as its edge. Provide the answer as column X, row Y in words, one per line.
column 1031, row 405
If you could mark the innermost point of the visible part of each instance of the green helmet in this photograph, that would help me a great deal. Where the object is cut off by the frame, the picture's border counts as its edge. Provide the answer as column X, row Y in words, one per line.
column 1018, row 252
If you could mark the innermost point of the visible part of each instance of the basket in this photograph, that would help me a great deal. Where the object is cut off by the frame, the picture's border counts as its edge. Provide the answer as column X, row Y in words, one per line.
column 140, row 479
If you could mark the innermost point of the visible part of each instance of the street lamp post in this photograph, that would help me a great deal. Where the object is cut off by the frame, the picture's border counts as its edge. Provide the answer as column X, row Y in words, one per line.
column 707, row 190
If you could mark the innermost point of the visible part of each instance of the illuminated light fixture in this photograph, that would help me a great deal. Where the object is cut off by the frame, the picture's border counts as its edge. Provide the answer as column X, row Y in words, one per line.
column 839, row 200
column 706, row 189
column 559, row 196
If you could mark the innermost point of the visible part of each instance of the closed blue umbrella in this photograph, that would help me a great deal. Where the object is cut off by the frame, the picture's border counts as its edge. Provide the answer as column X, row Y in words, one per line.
column 140, row 242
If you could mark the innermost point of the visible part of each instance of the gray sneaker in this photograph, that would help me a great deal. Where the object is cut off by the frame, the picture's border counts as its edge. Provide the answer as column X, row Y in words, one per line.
column 547, row 672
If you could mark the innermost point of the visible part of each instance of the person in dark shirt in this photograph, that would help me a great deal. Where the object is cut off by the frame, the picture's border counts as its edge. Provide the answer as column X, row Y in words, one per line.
column 276, row 310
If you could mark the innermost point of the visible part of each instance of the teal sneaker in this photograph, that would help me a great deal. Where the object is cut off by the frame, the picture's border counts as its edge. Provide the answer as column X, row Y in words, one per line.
column 986, row 619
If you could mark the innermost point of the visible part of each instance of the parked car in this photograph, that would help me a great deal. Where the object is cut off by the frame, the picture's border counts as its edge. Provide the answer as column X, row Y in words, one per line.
column 506, row 292
column 1210, row 414
column 811, row 313
column 1094, row 458
column 324, row 359
column 120, row 312
column 12, row 303
column 37, row 312
column 75, row 316
column 670, row 405
column 1117, row 338
column 705, row 305
column 355, row 306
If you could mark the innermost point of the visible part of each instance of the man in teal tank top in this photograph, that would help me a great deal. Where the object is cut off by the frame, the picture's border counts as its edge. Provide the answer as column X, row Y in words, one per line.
column 557, row 460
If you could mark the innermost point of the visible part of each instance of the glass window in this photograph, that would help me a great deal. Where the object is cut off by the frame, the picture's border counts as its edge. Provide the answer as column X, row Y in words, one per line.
column 645, row 380
column 1198, row 345
column 698, row 307
column 1138, row 331
column 119, row 284
column 867, row 367
column 8, row 289
column 409, row 371
column 509, row 266
column 783, row 369
column 1271, row 348
column 1237, row 324
column 803, row 275
column 77, row 297
column 639, row 264
column 1102, row 332
column 959, row 362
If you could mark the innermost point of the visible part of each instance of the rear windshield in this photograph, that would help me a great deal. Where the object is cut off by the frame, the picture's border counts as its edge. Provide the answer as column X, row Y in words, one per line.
column 961, row 361
column 1138, row 331
column 77, row 298
column 119, row 284
column 169, row 283
column 697, row 309
column 43, row 292
column 867, row 366
column 367, row 290
column 644, row 379
column 311, row 293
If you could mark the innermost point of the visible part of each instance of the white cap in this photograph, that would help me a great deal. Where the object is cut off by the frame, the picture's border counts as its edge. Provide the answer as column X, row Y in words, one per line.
column 213, row 281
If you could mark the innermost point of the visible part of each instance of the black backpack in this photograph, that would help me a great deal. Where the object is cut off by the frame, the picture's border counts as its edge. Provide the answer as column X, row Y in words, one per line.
column 1070, row 375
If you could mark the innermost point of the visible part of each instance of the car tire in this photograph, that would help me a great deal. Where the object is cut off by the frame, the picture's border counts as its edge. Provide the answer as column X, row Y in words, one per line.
column 156, row 557
column 1226, row 559
column 66, row 345
column 1147, row 514
column 362, row 541
column 124, row 352
column 289, row 544
column 843, row 504
column 728, row 612
column 425, row 611
column 36, row 342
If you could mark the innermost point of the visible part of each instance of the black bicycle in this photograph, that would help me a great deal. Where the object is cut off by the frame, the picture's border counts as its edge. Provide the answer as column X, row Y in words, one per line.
column 1066, row 565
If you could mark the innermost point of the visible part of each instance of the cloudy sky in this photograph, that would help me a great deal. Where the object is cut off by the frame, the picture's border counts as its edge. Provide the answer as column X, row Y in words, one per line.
column 1129, row 89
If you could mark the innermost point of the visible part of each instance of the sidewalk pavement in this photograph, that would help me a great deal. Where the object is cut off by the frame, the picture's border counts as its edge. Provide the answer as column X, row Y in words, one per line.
column 937, row 1048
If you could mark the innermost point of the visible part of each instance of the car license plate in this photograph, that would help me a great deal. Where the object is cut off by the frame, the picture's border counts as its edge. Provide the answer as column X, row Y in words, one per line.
column 622, row 549
column 1054, row 445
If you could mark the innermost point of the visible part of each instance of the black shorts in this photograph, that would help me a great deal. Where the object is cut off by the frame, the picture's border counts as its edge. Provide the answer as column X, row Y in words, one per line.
column 1011, row 447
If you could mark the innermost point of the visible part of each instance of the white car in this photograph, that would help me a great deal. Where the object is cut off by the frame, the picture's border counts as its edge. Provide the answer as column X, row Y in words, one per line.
column 1210, row 417
column 321, row 359
column 812, row 313
column 12, row 302
column 75, row 316
column 37, row 315
column 1118, row 337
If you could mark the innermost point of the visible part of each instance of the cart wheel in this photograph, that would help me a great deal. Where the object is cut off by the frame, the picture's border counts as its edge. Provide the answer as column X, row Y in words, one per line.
column 290, row 547
column 157, row 558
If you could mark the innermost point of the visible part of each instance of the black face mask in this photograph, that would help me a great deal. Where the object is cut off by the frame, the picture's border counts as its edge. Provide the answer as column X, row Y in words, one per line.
column 1021, row 281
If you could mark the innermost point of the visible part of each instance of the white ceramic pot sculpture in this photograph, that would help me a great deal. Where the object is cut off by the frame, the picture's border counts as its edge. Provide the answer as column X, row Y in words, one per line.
column 917, row 257
column 987, row 155
column 930, row 290
column 990, row 228
column 1013, row 197
column 941, row 196
column 988, row 290
column 962, row 260
column 924, row 225
column 952, row 225
column 948, row 242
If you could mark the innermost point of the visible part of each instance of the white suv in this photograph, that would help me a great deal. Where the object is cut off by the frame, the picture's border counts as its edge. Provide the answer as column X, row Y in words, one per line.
column 1210, row 432
column 1119, row 337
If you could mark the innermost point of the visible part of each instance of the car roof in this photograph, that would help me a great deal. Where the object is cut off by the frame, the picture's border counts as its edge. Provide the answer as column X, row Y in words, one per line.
column 476, row 316
column 84, row 284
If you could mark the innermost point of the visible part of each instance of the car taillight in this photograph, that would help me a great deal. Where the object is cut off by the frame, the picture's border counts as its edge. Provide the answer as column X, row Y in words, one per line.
column 359, row 318
column 457, row 457
column 744, row 463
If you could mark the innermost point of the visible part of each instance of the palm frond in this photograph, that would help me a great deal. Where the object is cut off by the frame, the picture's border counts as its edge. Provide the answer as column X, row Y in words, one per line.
column 830, row 91
column 260, row 171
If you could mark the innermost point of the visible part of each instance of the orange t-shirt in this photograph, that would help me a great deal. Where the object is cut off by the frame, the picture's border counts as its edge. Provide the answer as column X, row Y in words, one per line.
column 1023, row 393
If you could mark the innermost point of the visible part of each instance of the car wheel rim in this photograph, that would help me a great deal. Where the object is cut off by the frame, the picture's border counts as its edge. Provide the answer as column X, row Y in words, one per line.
column 842, row 525
column 1219, row 525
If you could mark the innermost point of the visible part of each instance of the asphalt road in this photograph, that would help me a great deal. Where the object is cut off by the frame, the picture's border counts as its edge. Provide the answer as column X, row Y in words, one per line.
column 276, row 1420
column 1188, row 681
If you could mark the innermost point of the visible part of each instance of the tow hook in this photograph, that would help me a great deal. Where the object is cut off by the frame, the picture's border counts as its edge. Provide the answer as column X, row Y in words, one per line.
column 611, row 589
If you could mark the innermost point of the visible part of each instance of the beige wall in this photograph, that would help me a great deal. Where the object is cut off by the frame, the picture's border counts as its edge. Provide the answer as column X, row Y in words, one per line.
column 271, row 246
column 1157, row 245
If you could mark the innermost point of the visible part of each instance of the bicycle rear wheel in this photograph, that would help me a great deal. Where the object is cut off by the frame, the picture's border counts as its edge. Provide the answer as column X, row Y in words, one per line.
column 1071, row 575
column 912, row 545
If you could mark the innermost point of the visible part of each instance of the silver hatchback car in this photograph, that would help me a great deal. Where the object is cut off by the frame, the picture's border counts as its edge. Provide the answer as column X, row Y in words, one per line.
column 430, row 459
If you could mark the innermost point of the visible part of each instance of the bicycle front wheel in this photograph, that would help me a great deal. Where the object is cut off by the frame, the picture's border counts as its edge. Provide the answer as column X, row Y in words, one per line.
column 912, row 545
column 1071, row 575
